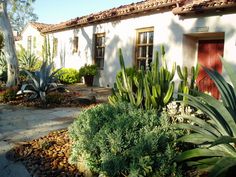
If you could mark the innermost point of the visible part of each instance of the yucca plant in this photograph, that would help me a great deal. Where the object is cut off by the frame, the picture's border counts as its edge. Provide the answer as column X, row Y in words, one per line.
column 216, row 137
column 40, row 82
column 28, row 61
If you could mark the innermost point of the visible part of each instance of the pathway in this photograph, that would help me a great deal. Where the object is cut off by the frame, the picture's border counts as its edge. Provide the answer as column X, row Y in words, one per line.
column 19, row 124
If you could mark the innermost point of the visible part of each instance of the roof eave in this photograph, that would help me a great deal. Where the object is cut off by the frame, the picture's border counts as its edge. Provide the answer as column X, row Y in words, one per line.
column 111, row 18
column 180, row 11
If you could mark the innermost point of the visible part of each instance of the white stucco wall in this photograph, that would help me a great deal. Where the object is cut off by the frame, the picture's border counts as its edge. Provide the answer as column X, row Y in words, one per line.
column 31, row 31
column 169, row 30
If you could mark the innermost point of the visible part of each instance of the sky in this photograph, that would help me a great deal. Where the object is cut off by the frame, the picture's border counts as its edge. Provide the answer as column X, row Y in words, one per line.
column 56, row 11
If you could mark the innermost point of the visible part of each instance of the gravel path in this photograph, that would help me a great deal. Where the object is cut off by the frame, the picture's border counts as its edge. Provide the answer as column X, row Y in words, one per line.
column 18, row 124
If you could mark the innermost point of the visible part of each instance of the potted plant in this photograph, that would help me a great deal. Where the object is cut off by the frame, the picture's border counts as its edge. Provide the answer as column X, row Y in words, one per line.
column 88, row 72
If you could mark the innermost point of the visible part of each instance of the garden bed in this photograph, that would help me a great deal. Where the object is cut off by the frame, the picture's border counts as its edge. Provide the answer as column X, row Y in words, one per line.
column 73, row 96
column 46, row 156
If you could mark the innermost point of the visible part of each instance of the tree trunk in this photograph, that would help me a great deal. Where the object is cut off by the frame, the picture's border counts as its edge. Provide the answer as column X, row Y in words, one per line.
column 9, row 46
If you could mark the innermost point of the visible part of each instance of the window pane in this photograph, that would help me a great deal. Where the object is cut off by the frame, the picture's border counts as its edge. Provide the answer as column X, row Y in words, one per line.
column 103, row 40
column 100, row 52
column 142, row 38
column 150, row 37
column 150, row 51
column 99, row 41
column 142, row 51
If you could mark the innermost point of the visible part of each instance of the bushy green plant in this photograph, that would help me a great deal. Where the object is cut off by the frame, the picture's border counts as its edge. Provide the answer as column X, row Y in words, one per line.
column 88, row 70
column 69, row 76
column 216, row 137
column 40, row 82
column 132, row 71
column 122, row 140
column 146, row 89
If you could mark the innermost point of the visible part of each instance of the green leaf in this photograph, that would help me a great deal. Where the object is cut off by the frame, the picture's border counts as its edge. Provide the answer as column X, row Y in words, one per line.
column 197, row 138
column 198, row 152
column 222, row 166
column 230, row 71
column 224, row 140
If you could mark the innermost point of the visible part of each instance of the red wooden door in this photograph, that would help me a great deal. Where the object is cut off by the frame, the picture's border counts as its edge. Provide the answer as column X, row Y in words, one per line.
column 208, row 56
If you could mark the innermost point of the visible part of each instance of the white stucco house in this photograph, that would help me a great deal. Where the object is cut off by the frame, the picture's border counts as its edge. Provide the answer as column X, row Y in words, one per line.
column 32, row 38
column 191, row 30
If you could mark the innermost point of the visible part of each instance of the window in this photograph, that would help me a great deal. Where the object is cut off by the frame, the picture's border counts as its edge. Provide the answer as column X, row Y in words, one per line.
column 99, row 50
column 29, row 43
column 55, row 46
column 144, row 47
column 75, row 44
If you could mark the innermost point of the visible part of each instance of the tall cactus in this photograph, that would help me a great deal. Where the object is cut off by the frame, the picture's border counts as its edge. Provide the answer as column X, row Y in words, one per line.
column 147, row 89
column 187, row 82
column 46, row 51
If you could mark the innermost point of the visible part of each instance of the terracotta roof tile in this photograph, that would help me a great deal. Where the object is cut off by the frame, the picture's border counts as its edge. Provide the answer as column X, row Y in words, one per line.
column 177, row 6
column 190, row 6
column 40, row 26
column 125, row 10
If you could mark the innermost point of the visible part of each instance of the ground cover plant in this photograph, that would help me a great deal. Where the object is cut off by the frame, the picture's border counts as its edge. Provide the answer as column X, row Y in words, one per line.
column 216, row 137
column 122, row 140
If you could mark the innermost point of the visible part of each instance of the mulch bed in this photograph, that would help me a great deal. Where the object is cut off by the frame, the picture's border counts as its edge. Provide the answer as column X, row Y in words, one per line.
column 46, row 156
column 55, row 99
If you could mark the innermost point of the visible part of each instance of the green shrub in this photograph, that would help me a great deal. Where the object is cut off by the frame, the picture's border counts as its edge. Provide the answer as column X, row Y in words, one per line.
column 129, row 71
column 88, row 70
column 122, row 140
column 69, row 76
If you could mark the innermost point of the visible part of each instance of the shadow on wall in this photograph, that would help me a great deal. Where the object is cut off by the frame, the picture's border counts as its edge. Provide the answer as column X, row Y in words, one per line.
column 89, row 43
column 62, row 56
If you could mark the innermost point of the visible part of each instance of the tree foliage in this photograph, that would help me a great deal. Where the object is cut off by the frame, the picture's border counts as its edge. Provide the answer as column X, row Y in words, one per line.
column 20, row 12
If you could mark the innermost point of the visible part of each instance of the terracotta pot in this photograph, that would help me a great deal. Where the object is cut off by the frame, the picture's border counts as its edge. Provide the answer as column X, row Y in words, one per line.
column 88, row 80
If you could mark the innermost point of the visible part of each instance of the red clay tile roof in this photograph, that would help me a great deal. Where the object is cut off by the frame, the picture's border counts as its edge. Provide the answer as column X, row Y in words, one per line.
column 191, row 6
column 125, row 10
column 177, row 6
column 40, row 26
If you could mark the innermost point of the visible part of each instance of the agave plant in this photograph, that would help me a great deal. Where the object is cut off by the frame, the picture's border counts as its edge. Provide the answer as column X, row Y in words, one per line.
column 40, row 82
column 216, row 137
